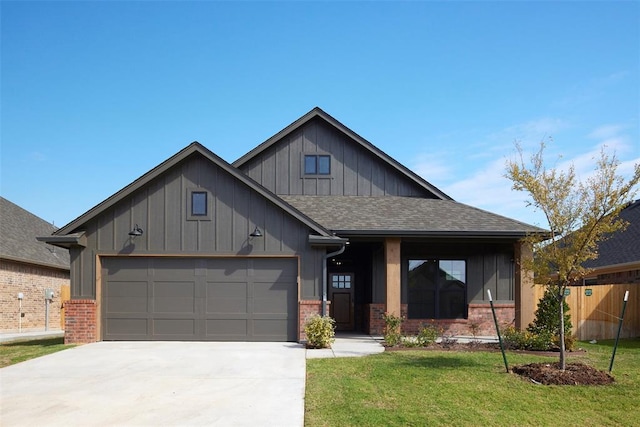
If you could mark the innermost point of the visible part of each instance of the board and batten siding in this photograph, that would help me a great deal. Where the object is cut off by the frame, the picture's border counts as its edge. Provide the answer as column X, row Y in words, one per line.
column 354, row 170
column 160, row 209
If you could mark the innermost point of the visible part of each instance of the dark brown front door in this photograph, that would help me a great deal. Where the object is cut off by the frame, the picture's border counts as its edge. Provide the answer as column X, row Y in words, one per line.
column 341, row 296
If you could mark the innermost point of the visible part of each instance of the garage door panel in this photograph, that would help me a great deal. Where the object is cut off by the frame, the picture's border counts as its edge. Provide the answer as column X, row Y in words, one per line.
column 126, row 297
column 270, row 328
column 179, row 327
column 227, row 328
column 242, row 299
column 174, row 297
column 127, row 326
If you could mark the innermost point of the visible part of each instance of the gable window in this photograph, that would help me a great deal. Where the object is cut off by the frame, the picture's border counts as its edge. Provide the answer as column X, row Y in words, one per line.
column 437, row 289
column 198, row 205
column 317, row 164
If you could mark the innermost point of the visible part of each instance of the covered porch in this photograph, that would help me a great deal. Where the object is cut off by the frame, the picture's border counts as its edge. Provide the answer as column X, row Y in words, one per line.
column 429, row 281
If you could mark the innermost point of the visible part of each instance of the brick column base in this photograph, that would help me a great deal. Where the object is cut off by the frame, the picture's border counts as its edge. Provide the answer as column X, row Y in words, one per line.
column 308, row 308
column 80, row 321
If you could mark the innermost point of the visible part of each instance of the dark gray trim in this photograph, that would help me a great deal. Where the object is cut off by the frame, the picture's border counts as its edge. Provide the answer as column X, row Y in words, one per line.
column 194, row 147
column 445, row 234
column 318, row 112
column 327, row 240
column 66, row 241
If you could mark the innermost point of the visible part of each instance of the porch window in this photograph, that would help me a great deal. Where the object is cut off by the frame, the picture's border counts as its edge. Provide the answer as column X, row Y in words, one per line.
column 437, row 289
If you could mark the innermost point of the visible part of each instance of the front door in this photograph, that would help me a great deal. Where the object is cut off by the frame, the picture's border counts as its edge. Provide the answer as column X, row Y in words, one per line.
column 341, row 296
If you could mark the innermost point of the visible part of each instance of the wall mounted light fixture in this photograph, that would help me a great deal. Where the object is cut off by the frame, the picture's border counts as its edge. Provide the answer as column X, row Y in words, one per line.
column 256, row 233
column 137, row 231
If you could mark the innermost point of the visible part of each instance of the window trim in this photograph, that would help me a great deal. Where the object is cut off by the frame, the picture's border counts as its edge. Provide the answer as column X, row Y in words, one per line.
column 317, row 156
column 189, row 205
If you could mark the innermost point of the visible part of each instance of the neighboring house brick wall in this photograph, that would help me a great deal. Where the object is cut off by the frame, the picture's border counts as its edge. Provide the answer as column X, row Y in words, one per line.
column 31, row 280
column 80, row 322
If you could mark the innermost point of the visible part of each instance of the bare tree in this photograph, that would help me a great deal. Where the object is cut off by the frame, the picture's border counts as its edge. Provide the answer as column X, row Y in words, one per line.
column 580, row 214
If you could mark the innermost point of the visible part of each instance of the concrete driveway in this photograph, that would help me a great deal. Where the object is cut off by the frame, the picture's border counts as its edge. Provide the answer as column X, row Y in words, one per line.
column 158, row 383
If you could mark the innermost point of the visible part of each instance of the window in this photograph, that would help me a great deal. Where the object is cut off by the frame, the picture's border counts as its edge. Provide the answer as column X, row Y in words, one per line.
column 436, row 289
column 341, row 281
column 317, row 164
column 199, row 203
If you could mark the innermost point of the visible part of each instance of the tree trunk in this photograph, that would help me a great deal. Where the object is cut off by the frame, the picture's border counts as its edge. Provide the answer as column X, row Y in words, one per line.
column 563, row 362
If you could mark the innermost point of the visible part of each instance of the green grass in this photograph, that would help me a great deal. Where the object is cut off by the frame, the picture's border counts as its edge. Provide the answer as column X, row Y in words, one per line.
column 20, row 351
column 443, row 388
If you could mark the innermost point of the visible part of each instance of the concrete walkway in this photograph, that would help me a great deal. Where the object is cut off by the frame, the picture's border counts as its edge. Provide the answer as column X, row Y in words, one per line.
column 28, row 336
column 349, row 345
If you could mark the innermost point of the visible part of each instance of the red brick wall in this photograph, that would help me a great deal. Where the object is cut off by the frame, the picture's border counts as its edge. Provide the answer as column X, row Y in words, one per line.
column 308, row 308
column 80, row 321
column 31, row 280
column 479, row 315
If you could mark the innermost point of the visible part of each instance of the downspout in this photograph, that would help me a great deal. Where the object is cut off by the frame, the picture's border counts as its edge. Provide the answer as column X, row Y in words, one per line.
column 325, row 258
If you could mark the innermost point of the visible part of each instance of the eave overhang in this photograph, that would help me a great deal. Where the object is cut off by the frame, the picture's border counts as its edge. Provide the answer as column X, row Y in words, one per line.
column 315, row 240
column 65, row 241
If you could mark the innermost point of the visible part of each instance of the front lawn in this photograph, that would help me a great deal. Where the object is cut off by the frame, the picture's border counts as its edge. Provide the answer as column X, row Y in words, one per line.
column 418, row 388
column 20, row 351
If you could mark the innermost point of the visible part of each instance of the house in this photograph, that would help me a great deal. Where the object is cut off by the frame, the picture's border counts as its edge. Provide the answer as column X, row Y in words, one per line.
column 619, row 256
column 28, row 269
column 315, row 220
column 596, row 303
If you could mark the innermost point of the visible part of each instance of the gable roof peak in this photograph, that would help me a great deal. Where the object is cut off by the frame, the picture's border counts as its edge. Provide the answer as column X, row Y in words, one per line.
column 318, row 112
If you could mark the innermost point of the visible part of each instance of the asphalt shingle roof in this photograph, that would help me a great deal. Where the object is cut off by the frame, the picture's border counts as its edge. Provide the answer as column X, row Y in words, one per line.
column 18, row 231
column 623, row 246
column 411, row 215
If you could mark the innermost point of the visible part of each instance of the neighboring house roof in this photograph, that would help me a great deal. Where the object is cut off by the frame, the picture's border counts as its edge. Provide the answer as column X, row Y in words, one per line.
column 319, row 113
column 623, row 247
column 195, row 147
column 393, row 215
column 18, row 231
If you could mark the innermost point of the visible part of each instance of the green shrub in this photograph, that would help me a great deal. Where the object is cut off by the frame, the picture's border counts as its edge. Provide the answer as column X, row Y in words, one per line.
column 320, row 331
column 547, row 315
column 515, row 339
column 427, row 335
column 392, row 334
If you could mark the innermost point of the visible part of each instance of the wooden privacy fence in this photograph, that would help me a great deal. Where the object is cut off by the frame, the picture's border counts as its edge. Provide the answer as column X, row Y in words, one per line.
column 595, row 310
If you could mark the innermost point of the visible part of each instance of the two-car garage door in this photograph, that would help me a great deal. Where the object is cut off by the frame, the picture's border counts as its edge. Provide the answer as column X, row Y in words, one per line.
column 199, row 299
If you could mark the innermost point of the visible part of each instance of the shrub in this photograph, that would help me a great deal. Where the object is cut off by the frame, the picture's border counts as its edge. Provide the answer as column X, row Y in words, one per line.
column 527, row 340
column 320, row 331
column 392, row 334
column 547, row 313
column 427, row 335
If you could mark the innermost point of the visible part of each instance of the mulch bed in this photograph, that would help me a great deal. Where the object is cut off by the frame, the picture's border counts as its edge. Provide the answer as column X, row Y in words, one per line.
column 575, row 374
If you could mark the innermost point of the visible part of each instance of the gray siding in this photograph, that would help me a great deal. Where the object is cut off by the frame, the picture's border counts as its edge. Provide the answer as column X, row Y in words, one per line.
column 160, row 208
column 354, row 170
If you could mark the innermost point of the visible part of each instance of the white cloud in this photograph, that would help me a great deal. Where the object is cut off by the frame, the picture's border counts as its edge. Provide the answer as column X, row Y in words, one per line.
column 532, row 131
column 432, row 167
column 607, row 131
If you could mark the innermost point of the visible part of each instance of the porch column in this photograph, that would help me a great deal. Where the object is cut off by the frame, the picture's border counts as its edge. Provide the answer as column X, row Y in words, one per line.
column 392, row 260
column 524, row 291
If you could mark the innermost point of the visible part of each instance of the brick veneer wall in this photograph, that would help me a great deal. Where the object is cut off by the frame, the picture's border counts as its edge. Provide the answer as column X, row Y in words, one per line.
column 308, row 308
column 31, row 280
column 479, row 315
column 80, row 321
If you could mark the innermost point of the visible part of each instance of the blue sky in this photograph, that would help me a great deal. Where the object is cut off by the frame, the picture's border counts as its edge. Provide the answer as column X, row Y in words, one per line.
column 95, row 94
